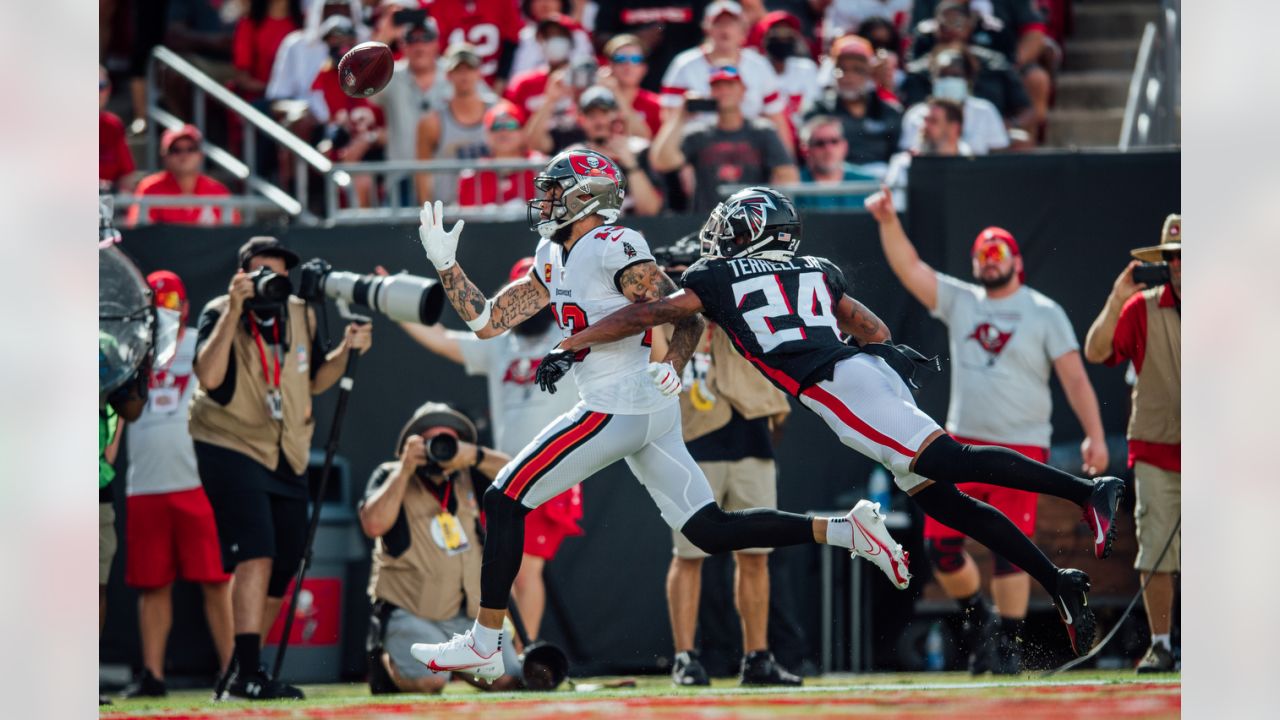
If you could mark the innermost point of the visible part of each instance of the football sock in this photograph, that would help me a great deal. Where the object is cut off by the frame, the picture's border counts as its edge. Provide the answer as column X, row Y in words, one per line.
column 485, row 639
column 503, row 548
column 1162, row 639
column 971, row 603
column 840, row 532
column 987, row 525
column 248, row 647
column 946, row 460
column 1010, row 627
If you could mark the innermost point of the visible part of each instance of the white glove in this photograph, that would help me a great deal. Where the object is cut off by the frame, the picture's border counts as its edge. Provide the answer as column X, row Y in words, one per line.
column 441, row 246
column 665, row 378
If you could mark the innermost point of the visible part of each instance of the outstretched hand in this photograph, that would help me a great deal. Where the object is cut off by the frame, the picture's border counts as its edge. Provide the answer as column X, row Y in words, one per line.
column 554, row 367
column 441, row 245
column 880, row 205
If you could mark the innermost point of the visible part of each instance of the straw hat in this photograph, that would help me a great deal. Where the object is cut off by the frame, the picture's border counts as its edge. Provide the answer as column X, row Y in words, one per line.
column 1170, row 239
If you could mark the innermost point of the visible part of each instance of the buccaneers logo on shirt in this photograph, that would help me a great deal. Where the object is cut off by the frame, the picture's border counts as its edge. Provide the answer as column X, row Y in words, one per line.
column 521, row 371
column 992, row 339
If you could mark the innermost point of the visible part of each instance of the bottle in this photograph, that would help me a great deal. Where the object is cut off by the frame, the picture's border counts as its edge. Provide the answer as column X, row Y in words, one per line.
column 933, row 660
column 878, row 488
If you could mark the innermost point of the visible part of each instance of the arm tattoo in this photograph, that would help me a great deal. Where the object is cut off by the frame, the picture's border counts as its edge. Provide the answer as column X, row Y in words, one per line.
column 465, row 297
column 865, row 327
column 516, row 303
column 685, row 339
column 644, row 281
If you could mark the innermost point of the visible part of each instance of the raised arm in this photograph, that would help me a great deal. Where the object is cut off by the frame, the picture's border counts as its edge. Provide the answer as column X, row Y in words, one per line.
column 854, row 319
column 915, row 274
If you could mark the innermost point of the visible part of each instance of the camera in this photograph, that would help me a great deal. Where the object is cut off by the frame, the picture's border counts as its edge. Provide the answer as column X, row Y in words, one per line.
column 402, row 297
column 682, row 253
column 442, row 448
column 269, row 288
column 583, row 74
column 1151, row 274
column 701, row 105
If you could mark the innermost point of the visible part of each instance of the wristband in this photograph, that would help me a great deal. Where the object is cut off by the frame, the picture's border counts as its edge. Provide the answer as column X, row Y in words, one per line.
column 482, row 319
column 479, row 457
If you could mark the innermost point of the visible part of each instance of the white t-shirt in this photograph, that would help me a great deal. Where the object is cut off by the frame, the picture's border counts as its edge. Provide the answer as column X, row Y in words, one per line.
column 1002, row 354
column 529, row 53
column 690, row 71
column 583, row 286
column 799, row 86
column 509, row 362
column 983, row 131
column 844, row 16
column 161, row 456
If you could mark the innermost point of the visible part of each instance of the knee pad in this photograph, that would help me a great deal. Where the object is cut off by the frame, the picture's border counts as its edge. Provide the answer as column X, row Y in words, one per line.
column 704, row 529
column 947, row 554
column 1004, row 567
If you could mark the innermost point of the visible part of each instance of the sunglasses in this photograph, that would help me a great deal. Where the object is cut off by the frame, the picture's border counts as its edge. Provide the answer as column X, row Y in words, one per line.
column 507, row 124
column 168, row 300
column 824, row 142
column 182, row 150
column 634, row 59
column 993, row 252
column 1171, row 255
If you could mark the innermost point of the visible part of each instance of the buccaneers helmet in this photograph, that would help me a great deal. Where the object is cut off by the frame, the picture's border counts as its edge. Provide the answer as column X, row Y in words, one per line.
column 756, row 222
column 589, row 183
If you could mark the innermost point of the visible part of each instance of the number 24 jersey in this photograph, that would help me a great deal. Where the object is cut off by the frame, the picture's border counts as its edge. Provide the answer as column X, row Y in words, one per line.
column 779, row 315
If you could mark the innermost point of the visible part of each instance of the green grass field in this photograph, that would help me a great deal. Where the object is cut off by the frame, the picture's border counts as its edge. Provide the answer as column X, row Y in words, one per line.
column 1093, row 694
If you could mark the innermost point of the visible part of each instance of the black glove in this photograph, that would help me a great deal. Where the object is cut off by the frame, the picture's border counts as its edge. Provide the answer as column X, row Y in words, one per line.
column 553, row 367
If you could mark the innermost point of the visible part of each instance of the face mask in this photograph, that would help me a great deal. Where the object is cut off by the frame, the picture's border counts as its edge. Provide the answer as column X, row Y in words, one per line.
column 779, row 48
column 951, row 88
column 557, row 49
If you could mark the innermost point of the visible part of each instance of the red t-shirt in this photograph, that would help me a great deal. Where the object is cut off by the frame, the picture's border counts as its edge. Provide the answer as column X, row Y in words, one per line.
column 114, row 159
column 1130, row 344
column 486, row 24
column 494, row 187
column 357, row 115
column 164, row 183
column 525, row 90
column 647, row 104
column 254, row 45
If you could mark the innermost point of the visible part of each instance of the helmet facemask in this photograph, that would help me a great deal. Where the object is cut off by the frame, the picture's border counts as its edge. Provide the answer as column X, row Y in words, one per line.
column 747, row 224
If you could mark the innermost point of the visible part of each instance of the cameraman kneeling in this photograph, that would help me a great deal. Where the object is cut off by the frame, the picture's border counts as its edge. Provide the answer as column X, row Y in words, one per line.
column 258, row 366
column 423, row 513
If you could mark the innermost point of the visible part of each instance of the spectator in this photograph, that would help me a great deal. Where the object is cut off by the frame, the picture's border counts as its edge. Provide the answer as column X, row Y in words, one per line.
column 872, row 125
column 887, row 43
column 251, row 429
column 725, row 33
column 603, row 130
column 519, row 412
column 640, row 108
column 1143, row 326
column 169, row 524
column 546, row 94
column 302, row 53
column 202, row 31
column 418, row 85
column 454, row 131
column 778, row 36
column 664, row 27
column 424, row 517
column 505, row 139
column 824, row 146
column 353, row 129
column 115, row 160
column 940, row 133
column 733, row 150
column 953, row 76
column 257, row 39
column 1004, row 340
column 1015, row 29
column 529, row 55
column 845, row 17
column 183, row 160
column 491, row 26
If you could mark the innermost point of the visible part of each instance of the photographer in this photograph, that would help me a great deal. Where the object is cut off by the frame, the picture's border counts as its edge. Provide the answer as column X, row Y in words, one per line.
column 1143, row 325
column 422, row 513
column 258, row 364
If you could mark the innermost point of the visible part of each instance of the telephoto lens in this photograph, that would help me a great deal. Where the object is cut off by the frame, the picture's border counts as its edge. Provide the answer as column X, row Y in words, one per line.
column 442, row 448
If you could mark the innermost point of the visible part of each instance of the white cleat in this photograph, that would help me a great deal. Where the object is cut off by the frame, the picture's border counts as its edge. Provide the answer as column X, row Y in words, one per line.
column 459, row 655
column 871, row 540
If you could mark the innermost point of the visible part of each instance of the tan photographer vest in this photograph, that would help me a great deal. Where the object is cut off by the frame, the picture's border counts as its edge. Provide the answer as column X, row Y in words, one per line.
column 244, row 424
column 1157, row 395
column 733, row 383
column 426, row 580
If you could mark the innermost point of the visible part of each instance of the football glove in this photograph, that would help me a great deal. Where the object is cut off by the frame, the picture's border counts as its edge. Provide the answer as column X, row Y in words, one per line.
column 665, row 378
column 553, row 367
column 441, row 246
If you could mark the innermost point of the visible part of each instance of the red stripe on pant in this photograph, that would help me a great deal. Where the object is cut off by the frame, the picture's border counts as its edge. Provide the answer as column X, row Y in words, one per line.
column 560, row 445
column 842, row 411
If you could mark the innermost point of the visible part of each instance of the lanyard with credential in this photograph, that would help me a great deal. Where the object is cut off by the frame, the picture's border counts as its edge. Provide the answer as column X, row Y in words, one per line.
column 450, row 530
column 275, row 404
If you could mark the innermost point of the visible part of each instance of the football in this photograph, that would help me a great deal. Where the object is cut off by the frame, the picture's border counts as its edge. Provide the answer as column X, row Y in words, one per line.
column 365, row 69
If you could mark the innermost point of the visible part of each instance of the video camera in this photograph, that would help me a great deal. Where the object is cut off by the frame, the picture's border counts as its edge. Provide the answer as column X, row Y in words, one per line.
column 402, row 297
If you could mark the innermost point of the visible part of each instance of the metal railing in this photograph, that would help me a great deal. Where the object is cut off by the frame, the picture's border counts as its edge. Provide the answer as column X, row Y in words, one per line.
column 247, row 204
column 398, row 175
column 1151, row 113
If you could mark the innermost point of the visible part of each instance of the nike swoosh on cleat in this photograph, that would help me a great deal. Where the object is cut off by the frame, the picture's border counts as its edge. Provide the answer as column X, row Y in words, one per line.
column 433, row 665
column 881, row 547
column 1066, row 614
column 1097, row 524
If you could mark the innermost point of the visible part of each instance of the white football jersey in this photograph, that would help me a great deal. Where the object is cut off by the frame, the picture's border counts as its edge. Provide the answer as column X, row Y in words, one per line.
column 583, row 285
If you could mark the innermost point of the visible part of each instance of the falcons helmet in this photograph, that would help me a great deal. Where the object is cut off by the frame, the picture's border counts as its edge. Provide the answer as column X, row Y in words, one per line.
column 589, row 183
column 756, row 222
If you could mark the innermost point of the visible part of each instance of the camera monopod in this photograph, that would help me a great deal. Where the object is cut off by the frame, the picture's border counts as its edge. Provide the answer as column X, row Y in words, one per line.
column 330, row 449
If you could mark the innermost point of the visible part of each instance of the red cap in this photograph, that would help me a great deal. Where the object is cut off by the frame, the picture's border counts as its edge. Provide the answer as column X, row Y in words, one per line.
column 172, row 135
column 725, row 73
column 520, row 269
column 852, row 45
column 999, row 234
column 169, row 291
column 501, row 110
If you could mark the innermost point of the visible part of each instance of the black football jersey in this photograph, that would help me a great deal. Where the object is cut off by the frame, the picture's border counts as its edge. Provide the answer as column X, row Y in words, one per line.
column 780, row 315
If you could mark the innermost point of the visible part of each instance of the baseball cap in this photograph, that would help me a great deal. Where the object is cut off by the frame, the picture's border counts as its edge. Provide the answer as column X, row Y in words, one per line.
column 852, row 45
column 428, row 29
column 172, row 135
column 994, row 234
column 597, row 96
column 266, row 245
column 461, row 53
column 520, row 269
column 503, row 111
column 555, row 20
column 169, row 291
column 718, row 8
column 724, row 73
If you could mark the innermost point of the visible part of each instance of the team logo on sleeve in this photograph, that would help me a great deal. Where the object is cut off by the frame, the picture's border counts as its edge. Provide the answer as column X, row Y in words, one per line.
column 628, row 250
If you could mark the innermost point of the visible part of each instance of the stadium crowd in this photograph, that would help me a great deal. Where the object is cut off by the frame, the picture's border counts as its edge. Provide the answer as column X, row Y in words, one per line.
column 733, row 85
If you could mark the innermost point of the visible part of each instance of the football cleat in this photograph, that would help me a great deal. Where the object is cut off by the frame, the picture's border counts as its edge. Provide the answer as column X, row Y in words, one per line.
column 687, row 671
column 761, row 668
column 258, row 685
column 1100, row 513
column 146, row 685
column 1072, row 600
column 459, row 655
column 1157, row 660
column 872, row 541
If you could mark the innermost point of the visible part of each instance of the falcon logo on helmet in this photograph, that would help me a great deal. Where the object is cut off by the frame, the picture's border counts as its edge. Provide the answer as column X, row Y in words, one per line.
column 756, row 222
column 589, row 184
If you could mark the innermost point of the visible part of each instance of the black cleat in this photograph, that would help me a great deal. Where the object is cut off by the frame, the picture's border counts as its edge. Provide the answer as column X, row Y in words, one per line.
column 760, row 668
column 979, row 632
column 1100, row 514
column 1072, row 602
column 1008, row 655
column 258, row 685
column 688, row 670
column 1159, row 659
column 147, row 685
